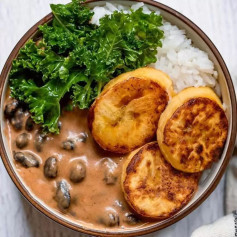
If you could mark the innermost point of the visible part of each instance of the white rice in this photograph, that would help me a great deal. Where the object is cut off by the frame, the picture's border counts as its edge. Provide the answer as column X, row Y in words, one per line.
column 185, row 64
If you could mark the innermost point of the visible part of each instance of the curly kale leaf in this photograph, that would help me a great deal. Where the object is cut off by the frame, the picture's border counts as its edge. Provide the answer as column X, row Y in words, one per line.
column 40, row 78
column 84, row 93
column 122, row 42
column 60, row 40
column 70, row 22
column 44, row 101
column 73, row 16
column 79, row 58
column 38, row 59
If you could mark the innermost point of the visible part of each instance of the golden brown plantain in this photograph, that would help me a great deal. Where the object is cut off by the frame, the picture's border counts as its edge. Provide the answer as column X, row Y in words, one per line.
column 152, row 187
column 147, row 73
column 193, row 129
column 125, row 116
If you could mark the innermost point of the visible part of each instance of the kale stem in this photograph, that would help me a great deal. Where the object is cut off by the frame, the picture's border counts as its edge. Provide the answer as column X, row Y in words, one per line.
column 100, row 85
column 60, row 22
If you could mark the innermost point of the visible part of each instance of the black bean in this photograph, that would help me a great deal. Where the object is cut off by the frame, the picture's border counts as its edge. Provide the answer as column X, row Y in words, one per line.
column 11, row 108
column 26, row 159
column 110, row 171
column 131, row 219
column 17, row 120
column 22, row 140
column 19, row 156
column 109, row 177
column 63, row 197
column 83, row 137
column 78, row 172
column 29, row 126
column 110, row 218
column 17, row 124
column 23, row 106
column 69, row 145
column 39, row 140
column 51, row 167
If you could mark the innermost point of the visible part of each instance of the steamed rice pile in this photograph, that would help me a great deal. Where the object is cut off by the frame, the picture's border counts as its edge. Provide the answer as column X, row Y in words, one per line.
column 185, row 64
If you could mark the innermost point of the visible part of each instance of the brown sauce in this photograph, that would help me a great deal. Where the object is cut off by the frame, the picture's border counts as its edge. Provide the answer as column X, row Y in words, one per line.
column 90, row 198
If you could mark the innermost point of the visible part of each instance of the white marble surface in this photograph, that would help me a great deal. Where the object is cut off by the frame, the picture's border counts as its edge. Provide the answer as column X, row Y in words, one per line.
column 18, row 218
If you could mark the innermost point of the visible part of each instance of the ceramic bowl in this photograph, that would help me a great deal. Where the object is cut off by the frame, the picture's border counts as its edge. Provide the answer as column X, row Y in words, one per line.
column 209, row 180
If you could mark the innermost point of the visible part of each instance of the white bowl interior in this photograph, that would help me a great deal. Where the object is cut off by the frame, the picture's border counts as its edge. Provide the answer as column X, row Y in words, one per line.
column 207, row 177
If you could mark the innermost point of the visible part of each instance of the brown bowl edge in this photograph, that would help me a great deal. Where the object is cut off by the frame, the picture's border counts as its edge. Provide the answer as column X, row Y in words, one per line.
column 148, row 229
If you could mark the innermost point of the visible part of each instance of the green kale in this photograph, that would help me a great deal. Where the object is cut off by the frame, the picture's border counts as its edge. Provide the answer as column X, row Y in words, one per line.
column 44, row 101
column 73, row 16
column 61, row 41
column 70, row 22
column 76, row 57
column 122, row 43
column 38, row 58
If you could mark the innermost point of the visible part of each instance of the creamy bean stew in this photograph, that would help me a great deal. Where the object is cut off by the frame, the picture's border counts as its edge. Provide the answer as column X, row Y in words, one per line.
column 69, row 172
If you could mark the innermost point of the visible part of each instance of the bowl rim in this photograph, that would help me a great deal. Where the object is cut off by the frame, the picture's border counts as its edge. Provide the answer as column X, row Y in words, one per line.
column 142, row 230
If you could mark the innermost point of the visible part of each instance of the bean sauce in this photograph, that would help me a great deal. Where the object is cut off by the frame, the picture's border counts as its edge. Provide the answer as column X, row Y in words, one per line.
column 95, row 185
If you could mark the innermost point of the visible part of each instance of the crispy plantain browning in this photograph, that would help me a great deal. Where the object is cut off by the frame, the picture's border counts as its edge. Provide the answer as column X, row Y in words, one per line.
column 126, row 114
column 147, row 73
column 192, row 130
column 152, row 187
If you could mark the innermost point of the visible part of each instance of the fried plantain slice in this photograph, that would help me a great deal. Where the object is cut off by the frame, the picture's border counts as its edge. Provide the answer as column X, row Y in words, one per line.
column 152, row 187
column 193, row 129
column 147, row 73
column 125, row 116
